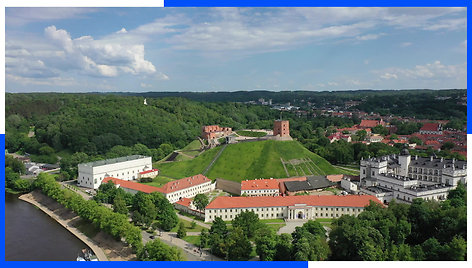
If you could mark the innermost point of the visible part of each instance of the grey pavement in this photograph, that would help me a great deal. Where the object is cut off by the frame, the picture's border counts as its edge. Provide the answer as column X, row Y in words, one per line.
column 290, row 227
column 191, row 251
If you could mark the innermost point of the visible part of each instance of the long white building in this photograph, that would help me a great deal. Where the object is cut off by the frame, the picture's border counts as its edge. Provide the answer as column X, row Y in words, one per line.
column 288, row 207
column 92, row 174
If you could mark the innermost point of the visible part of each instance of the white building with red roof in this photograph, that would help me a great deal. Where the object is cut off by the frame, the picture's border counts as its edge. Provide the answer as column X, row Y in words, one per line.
column 262, row 187
column 371, row 123
column 431, row 128
column 132, row 187
column 173, row 190
column 187, row 187
column 91, row 174
column 148, row 173
column 288, row 207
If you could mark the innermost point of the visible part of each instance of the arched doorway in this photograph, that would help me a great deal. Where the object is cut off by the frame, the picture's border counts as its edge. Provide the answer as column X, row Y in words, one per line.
column 300, row 215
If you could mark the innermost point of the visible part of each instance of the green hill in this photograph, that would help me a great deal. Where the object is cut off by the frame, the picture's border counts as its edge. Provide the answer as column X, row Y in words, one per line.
column 251, row 160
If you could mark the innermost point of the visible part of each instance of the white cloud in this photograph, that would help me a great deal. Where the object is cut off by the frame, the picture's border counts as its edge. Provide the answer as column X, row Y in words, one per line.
column 17, row 16
column 406, row 44
column 435, row 70
column 144, row 85
column 368, row 37
column 123, row 30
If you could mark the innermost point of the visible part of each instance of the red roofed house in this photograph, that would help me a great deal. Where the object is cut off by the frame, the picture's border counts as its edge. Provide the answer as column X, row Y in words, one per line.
column 288, row 207
column 263, row 187
column 371, row 123
column 187, row 187
column 186, row 205
column 148, row 173
column 431, row 128
column 173, row 190
column 132, row 187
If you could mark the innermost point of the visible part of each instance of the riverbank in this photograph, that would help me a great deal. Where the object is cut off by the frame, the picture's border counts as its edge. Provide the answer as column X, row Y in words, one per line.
column 103, row 245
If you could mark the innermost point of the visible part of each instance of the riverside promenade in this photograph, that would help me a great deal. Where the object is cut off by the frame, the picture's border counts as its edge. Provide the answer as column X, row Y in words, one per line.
column 65, row 223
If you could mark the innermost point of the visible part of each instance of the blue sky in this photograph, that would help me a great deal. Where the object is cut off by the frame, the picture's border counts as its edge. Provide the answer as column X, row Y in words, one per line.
column 228, row 49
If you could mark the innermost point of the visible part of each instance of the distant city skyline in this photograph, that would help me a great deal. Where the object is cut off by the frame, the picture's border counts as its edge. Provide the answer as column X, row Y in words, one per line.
column 231, row 49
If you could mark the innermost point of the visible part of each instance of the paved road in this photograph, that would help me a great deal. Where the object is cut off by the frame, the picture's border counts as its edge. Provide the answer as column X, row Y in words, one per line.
column 191, row 252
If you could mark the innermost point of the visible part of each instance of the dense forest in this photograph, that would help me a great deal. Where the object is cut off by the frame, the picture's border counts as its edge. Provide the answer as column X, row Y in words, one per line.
column 85, row 127
column 421, row 103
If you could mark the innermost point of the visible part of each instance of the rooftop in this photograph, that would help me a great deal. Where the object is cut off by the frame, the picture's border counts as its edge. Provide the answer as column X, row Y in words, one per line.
column 184, row 183
column 260, row 184
column 114, row 160
column 430, row 127
column 133, row 185
column 283, row 201
column 149, row 171
column 311, row 183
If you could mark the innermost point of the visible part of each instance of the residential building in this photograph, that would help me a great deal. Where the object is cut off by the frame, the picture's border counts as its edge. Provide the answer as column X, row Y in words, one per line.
column 92, row 174
column 187, row 187
column 262, row 187
column 303, row 207
column 173, row 190
column 431, row 128
column 371, row 123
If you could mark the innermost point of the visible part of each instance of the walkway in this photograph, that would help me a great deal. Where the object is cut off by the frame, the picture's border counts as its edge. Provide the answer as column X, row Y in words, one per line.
column 65, row 223
column 191, row 251
column 204, row 225
column 214, row 159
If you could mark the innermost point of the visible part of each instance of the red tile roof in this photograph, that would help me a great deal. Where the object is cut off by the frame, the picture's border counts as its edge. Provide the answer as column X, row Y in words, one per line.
column 369, row 123
column 149, row 171
column 334, row 178
column 184, row 183
column 259, row 184
column 184, row 202
column 133, row 185
column 282, row 201
column 430, row 127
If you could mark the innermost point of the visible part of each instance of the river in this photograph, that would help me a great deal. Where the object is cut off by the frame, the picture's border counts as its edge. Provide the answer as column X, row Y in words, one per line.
column 31, row 235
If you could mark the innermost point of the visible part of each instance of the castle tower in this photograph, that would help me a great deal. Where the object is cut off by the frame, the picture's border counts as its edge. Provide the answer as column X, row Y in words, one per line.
column 404, row 160
column 281, row 128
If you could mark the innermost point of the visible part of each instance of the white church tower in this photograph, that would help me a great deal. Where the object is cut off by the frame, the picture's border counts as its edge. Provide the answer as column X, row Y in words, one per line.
column 145, row 103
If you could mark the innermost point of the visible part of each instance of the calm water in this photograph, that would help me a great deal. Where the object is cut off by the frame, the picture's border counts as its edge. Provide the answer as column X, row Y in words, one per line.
column 31, row 235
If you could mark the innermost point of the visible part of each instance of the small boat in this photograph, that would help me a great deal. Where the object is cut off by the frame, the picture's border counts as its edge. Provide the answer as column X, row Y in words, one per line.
column 86, row 255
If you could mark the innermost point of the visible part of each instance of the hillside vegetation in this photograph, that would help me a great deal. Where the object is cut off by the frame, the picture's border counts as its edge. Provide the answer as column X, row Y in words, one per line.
column 252, row 160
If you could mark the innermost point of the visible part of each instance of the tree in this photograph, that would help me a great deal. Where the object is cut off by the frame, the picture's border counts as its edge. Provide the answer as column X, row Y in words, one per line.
column 238, row 245
column 219, row 227
column 283, row 248
column 119, row 205
column 165, row 212
column 361, row 134
column 15, row 164
column 200, row 201
column 181, row 232
column 266, row 242
column 248, row 221
column 447, row 145
column 157, row 251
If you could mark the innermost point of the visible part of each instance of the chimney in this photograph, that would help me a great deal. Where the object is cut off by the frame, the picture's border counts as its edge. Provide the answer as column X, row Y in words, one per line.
column 416, row 157
column 431, row 158
column 442, row 159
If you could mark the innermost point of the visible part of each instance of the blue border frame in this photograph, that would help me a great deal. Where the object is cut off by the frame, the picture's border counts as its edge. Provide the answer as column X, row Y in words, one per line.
column 244, row 3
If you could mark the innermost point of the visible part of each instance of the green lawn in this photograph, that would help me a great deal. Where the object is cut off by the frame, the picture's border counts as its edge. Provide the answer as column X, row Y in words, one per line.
column 188, row 168
column 193, row 239
column 250, row 160
column 276, row 227
column 251, row 133
column 272, row 220
column 187, row 224
column 159, row 181
column 194, row 145
column 253, row 160
column 182, row 157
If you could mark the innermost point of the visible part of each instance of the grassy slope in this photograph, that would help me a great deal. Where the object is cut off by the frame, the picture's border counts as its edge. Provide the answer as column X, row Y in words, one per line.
column 188, row 167
column 253, row 160
column 248, row 160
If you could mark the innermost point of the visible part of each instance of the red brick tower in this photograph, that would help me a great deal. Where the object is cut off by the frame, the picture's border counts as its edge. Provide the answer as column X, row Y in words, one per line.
column 281, row 127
